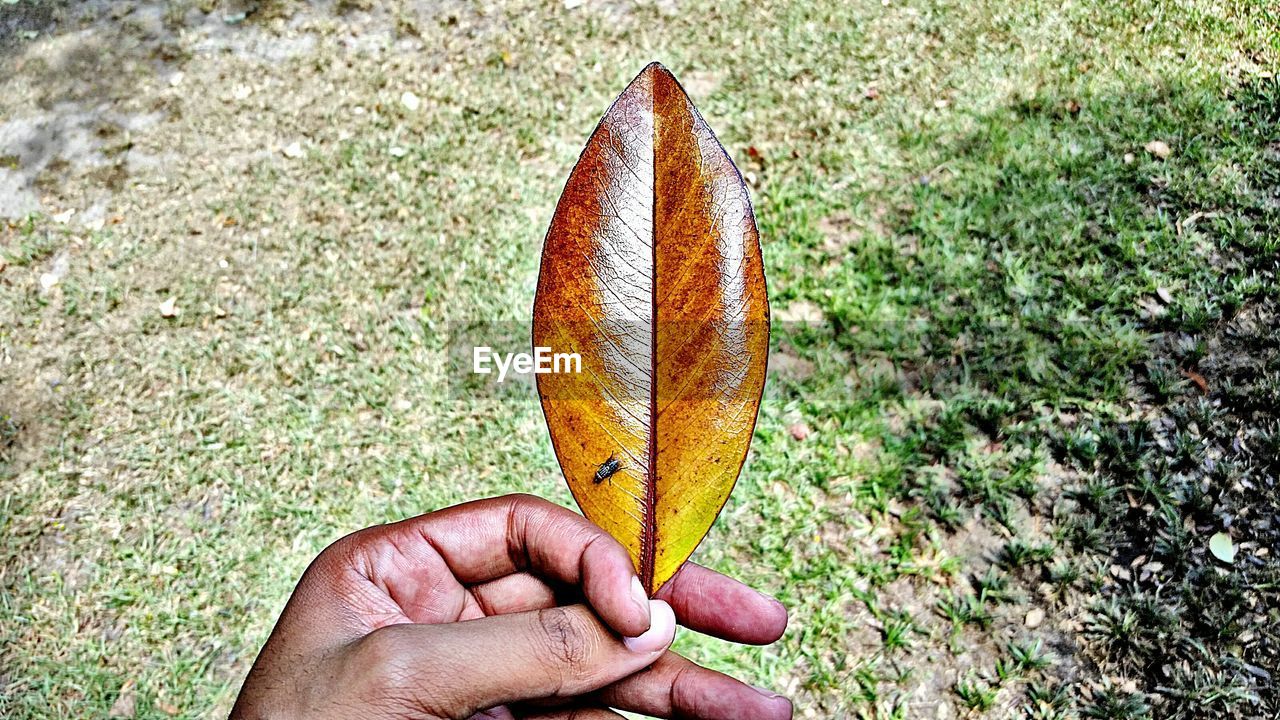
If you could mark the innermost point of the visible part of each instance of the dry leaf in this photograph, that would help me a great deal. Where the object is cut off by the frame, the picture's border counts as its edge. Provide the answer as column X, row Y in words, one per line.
column 1198, row 379
column 1035, row 617
column 1158, row 148
column 126, row 702
column 1222, row 547
column 652, row 273
column 799, row 431
column 57, row 270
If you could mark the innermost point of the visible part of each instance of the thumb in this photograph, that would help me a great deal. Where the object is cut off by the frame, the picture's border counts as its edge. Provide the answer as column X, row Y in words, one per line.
column 456, row 669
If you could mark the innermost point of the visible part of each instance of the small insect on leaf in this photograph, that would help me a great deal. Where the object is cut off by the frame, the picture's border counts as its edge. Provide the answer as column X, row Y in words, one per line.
column 607, row 469
column 652, row 273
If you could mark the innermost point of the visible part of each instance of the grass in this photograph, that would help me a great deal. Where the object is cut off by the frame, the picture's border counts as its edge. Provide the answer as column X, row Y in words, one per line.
column 989, row 295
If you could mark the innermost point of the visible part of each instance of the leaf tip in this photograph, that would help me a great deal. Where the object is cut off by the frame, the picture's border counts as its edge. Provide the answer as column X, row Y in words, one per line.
column 656, row 69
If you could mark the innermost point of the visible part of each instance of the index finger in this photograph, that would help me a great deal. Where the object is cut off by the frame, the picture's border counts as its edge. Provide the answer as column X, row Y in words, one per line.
column 487, row 539
column 711, row 603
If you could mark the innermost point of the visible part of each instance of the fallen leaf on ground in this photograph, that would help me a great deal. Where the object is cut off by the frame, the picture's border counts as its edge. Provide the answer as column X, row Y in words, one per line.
column 1159, row 148
column 1222, row 547
column 1198, row 379
column 57, row 270
column 1035, row 616
column 126, row 702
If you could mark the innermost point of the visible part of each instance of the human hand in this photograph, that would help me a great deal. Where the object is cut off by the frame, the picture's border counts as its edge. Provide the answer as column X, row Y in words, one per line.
column 461, row 613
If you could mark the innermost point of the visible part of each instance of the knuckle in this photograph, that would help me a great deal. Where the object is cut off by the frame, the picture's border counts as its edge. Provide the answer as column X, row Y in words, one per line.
column 385, row 650
column 566, row 637
column 525, row 503
column 389, row 679
column 684, row 700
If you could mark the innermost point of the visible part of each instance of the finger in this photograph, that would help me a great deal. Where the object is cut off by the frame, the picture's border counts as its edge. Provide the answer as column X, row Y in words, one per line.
column 582, row 713
column 677, row 688
column 487, row 539
column 706, row 601
column 459, row 668
column 519, row 592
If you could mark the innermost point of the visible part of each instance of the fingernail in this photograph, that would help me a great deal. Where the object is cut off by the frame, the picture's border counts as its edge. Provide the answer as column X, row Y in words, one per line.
column 772, row 601
column 640, row 598
column 778, row 701
column 767, row 693
column 662, row 630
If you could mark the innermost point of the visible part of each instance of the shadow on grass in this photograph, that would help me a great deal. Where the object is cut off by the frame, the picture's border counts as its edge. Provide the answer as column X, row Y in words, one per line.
column 1094, row 283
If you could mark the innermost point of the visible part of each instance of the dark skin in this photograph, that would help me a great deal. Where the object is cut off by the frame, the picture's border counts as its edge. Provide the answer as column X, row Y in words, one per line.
column 504, row 608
